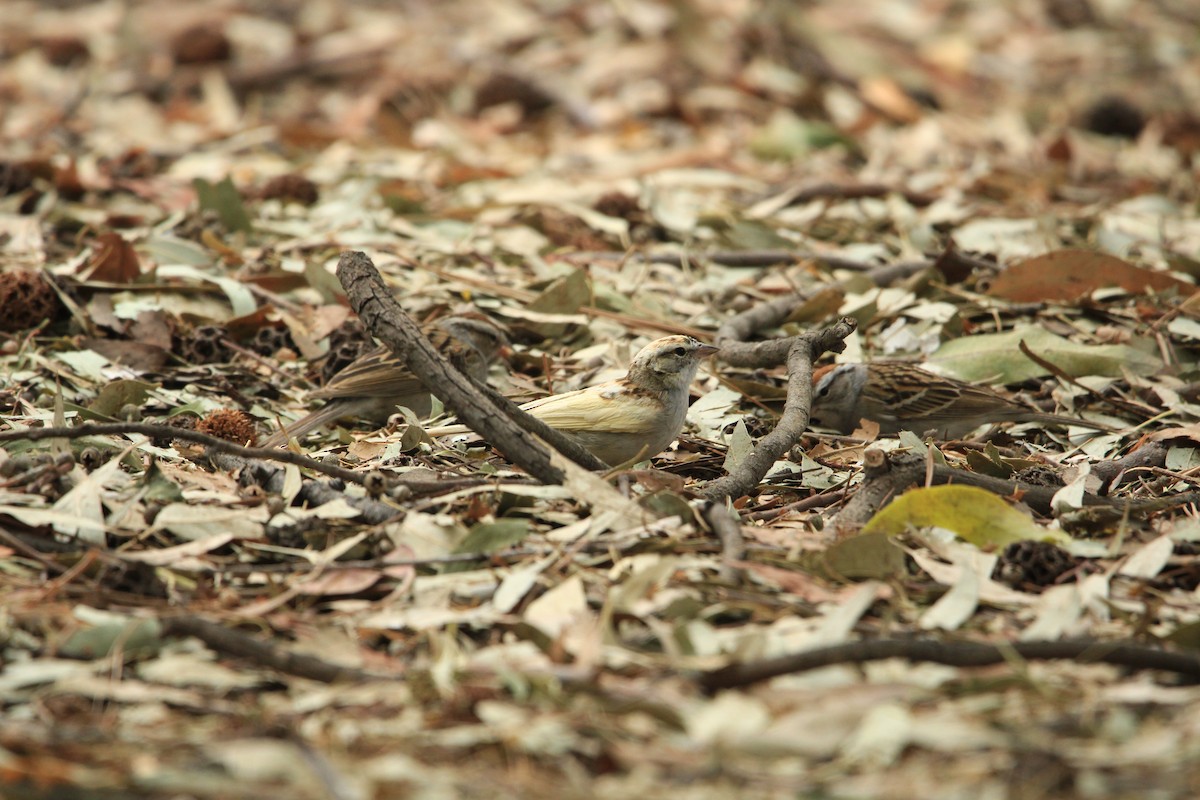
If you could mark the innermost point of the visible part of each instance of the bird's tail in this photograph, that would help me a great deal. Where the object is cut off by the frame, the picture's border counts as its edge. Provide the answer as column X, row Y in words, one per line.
column 310, row 422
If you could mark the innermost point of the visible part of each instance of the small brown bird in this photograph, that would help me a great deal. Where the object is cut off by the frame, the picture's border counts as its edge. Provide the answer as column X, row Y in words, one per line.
column 636, row 416
column 900, row 396
column 373, row 385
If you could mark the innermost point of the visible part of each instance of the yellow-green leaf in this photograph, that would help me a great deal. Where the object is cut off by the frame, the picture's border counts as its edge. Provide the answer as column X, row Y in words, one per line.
column 488, row 537
column 975, row 515
column 119, row 393
column 223, row 198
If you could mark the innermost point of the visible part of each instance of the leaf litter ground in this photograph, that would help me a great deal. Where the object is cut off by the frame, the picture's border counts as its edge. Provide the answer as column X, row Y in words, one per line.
column 1004, row 192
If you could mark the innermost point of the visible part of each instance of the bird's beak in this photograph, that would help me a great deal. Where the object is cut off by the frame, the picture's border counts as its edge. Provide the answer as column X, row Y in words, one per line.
column 706, row 350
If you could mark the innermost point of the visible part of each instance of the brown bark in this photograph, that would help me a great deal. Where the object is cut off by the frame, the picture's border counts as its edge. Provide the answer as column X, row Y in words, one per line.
column 801, row 352
column 387, row 321
column 954, row 654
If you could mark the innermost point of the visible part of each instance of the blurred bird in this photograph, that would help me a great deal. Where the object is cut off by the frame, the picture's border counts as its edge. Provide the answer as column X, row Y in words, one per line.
column 373, row 385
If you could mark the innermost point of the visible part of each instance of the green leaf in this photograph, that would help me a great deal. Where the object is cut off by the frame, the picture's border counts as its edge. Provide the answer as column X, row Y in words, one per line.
column 489, row 537
column 224, row 199
column 134, row 639
column 786, row 136
column 997, row 357
column 666, row 504
column 116, row 395
column 1186, row 636
column 868, row 556
column 158, row 487
column 198, row 407
column 973, row 514
column 750, row 235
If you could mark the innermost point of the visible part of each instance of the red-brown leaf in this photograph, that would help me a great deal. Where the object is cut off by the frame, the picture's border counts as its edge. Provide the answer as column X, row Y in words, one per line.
column 114, row 260
column 1070, row 274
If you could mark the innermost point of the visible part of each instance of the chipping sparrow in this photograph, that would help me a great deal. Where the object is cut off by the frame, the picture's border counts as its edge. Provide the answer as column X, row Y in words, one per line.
column 632, row 417
column 901, row 396
column 375, row 383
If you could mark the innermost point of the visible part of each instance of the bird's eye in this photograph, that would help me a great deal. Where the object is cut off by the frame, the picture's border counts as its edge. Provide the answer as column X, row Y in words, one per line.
column 680, row 351
column 823, row 391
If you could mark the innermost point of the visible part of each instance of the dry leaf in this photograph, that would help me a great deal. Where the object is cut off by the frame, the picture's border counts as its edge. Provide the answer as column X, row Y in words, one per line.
column 1071, row 274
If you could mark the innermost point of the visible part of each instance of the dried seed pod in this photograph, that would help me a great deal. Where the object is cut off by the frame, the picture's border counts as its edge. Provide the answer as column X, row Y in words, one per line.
column 90, row 458
column 230, row 424
column 27, row 299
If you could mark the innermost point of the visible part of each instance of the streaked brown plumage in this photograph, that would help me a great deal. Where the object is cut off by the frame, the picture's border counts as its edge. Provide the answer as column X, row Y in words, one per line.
column 373, row 385
column 900, row 396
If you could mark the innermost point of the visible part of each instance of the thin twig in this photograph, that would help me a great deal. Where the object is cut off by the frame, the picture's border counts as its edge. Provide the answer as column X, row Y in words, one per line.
column 725, row 523
column 861, row 191
column 168, row 432
column 1062, row 375
column 887, row 475
column 803, row 350
column 228, row 641
column 266, row 363
column 19, row 545
column 954, row 654
column 384, row 562
column 739, row 258
column 823, row 500
column 524, row 296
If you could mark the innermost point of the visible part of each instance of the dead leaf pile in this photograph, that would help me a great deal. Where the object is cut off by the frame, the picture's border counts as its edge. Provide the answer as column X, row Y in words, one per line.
column 1004, row 192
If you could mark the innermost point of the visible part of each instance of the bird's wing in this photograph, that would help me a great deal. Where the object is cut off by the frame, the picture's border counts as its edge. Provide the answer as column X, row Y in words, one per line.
column 377, row 374
column 915, row 394
column 602, row 409
column 924, row 401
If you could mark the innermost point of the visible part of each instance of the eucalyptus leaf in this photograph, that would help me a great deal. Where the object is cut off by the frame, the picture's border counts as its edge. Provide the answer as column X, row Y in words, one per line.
column 194, row 522
column 1186, row 636
column 740, row 447
column 666, row 504
column 133, row 639
column 973, row 514
column 85, row 363
column 989, row 462
column 323, row 281
column 158, row 487
column 241, row 299
column 563, row 296
column 997, row 357
column 867, row 556
column 223, row 198
column 489, row 537
column 750, row 235
column 1181, row 459
column 171, row 250
column 116, row 395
